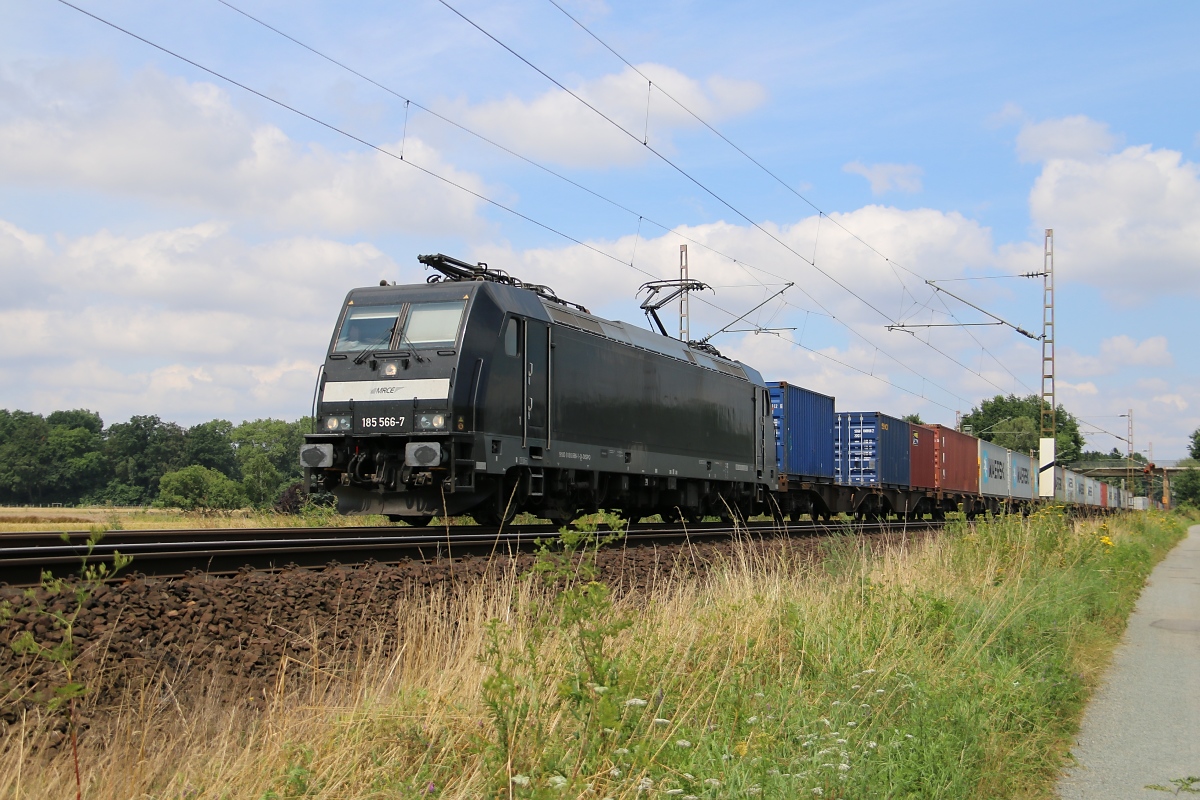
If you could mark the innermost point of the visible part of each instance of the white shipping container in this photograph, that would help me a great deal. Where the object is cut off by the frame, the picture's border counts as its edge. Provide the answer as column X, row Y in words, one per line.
column 1022, row 471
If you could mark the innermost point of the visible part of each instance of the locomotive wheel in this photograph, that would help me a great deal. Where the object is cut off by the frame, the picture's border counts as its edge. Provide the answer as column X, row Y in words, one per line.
column 418, row 522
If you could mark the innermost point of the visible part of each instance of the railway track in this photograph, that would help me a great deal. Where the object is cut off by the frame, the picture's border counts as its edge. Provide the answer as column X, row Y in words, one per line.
column 172, row 553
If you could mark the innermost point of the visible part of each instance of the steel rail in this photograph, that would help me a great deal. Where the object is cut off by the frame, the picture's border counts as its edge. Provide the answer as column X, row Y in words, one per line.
column 24, row 557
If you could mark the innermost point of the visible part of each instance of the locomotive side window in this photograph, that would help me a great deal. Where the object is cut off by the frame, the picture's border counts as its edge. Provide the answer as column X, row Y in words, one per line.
column 510, row 337
column 367, row 327
column 433, row 324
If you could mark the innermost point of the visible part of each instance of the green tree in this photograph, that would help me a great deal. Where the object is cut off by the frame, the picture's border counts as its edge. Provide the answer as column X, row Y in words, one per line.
column 1019, row 433
column 196, row 487
column 913, row 418
column 1185, row 488
column 24, row 438
column 984, row 418
column 260, row 479
column 1194, row 446
column 142, row 450
column 279, row 441
column 210, row 444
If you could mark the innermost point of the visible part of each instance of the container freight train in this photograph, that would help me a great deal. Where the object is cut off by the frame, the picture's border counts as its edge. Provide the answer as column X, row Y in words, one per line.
column 476, row 393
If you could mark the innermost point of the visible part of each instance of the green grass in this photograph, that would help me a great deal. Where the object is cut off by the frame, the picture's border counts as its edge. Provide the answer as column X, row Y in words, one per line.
column 955, row 667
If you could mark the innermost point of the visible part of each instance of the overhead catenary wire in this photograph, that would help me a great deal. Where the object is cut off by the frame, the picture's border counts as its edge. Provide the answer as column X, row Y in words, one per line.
column 641, row 217
column 454, row 184
column 694, row 180
column 717, row 197
column 821, row 214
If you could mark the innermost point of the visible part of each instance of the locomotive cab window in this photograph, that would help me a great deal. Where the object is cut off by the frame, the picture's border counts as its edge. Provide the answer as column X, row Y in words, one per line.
column 367, row 327
column 511, row 337
column 433, row 324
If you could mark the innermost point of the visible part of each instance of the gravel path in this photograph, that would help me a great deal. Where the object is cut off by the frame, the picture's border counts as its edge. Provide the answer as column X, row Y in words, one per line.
column 1143, row 726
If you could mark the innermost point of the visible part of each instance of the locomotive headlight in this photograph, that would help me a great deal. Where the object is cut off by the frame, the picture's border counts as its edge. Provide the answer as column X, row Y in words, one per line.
column 431, row 422
column 389, row 370
column 331, row 424
column 337, row 423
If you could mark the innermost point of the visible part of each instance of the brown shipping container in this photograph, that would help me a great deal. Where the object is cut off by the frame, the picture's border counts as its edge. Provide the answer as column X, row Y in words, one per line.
column 957, row 456
column 923, row 459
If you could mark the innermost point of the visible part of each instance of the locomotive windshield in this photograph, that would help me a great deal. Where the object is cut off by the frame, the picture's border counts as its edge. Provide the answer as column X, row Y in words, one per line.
column 367, row 327
column 423, row 324
column 433, row 324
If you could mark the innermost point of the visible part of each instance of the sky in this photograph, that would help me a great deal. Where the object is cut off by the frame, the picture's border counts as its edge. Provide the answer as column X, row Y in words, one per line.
column 177, row 236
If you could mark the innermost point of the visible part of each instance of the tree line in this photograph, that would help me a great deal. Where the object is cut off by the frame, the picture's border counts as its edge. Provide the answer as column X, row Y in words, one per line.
column 70, row 457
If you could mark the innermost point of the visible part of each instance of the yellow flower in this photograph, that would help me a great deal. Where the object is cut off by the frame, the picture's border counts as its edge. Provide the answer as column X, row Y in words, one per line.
column 1104, row 540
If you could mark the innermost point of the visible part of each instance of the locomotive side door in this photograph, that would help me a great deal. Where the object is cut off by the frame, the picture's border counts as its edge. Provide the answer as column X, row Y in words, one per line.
column 537, row 382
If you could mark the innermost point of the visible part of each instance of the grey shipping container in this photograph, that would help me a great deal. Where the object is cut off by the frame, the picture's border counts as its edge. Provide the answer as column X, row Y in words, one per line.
column 871, row 449
column 803, row 431
column 993, row 470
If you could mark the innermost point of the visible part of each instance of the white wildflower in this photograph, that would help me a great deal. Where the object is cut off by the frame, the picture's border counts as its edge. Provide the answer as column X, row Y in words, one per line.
column 690, row 797
column 856, row 686
column 909, row 736
column 866, row 706
column 683, row 743
column 851, row 724
column 759, row 695
column 868, row 672
column 841, row 741
column 772, row 772
column 825, row 752
column 689, row 776
column 713, row 782
column 520, row 780
column 818, row 791
column 752, row 720
column 674, row 792
column 879, row 691
column 615, row 772
column 599, row 689
column 837, row 702
column 645, row 784
column 636, row 702
column 844, row 767
column 661, row 721
column 872, row 745
column 621, row 751
column 754, row 790
column 557, row 781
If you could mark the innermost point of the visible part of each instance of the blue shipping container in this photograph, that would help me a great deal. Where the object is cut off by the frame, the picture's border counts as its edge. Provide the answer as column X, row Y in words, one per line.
column 871, row 449
column 803, row 431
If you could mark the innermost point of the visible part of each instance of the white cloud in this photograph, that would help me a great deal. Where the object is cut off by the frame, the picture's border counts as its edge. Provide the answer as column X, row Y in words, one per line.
column 559, row 128
column 1122, row 351
column 163, row 138
column 1175, row 401
column 1117, row 353
column 886, row 177
column 1078, row 138
column 1127, row 222
column 186, row 323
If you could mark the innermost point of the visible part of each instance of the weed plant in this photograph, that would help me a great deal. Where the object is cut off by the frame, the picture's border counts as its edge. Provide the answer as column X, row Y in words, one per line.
column 948, row 667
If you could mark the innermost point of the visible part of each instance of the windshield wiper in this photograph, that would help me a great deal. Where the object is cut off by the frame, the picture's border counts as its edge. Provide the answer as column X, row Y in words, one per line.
column 369, row 350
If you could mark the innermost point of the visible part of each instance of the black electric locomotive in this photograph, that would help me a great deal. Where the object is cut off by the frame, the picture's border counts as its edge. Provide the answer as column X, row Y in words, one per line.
column 475, row 393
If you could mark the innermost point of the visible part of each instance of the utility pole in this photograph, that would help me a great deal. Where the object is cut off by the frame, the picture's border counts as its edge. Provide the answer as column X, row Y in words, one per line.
column 1129, row 452
column 685, row 332
column 1047, row 455
column 1048, row 406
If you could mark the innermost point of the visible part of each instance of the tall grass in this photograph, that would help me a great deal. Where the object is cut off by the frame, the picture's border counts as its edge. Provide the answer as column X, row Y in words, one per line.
column 950, row 667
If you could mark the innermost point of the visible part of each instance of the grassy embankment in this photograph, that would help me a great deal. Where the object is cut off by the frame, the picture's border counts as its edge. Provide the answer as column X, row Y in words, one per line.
column 956, row 667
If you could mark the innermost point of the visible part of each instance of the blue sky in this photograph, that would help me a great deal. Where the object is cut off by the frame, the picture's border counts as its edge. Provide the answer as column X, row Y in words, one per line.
column 176, row 245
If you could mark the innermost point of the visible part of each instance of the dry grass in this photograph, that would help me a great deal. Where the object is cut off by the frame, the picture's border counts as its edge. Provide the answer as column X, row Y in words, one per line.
column 928, row 664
